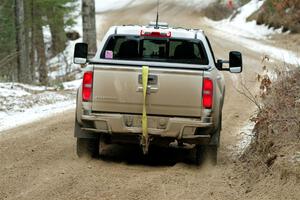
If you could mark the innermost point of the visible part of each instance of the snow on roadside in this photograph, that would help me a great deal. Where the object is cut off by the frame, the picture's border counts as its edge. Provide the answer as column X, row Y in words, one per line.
column 14, row 119
column 250, row 35
column 21, row 104
column 72, row 85
column 279, row 54
column 245, row 137
column 237, row 25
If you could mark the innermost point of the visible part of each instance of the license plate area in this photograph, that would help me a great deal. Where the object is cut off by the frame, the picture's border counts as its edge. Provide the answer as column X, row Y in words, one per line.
column 135, row 121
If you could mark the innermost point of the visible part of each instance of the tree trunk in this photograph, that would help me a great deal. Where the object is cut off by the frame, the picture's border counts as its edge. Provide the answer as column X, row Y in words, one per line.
column 40, row 48
column 30, row 38
column 89, row 24
column 24, row 74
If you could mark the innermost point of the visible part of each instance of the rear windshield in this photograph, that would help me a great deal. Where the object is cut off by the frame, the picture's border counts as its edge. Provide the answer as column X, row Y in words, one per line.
column 155, row 49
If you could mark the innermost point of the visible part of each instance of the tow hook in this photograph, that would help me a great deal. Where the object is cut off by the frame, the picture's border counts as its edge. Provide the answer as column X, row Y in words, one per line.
column 145, row 142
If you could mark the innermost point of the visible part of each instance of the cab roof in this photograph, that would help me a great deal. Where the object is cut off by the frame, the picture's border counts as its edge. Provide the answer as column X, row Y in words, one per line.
column 162, row 30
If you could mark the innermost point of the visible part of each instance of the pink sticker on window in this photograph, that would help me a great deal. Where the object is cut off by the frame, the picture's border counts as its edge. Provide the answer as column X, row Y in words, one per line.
column 109, row 55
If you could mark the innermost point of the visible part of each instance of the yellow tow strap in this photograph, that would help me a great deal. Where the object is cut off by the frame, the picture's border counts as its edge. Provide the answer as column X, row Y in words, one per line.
column 145, row 139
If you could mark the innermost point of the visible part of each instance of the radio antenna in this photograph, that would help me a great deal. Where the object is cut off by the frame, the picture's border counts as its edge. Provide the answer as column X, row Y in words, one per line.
column 157, row 15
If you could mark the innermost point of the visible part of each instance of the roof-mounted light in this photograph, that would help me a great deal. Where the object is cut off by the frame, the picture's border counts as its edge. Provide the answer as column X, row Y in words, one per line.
column 156, row 34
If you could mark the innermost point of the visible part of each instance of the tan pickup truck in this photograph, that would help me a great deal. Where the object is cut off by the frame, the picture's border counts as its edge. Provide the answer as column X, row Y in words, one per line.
column 152, row 85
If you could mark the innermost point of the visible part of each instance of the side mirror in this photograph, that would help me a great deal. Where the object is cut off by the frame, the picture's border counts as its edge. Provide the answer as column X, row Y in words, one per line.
column 219, row 64
column 235, row 62
column 80, row 53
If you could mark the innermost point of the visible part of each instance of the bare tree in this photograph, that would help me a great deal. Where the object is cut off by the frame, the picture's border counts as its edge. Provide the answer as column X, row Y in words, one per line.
column 24, row 73
column 89, row 24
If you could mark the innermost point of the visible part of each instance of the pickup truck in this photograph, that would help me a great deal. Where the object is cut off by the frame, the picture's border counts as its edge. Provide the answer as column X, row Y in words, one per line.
column 152, row 85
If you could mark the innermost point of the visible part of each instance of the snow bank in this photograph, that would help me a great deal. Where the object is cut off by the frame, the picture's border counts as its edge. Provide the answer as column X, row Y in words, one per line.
column 21, row 103
column 276, row 53
column 248, row 34
column 280, row 54
column 72, row 85
column 14, row 119
column 6, row 91
column 240, row 27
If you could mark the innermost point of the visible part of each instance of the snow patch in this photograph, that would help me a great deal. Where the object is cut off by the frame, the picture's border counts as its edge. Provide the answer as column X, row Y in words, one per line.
column 279, row 54
column 21, row 103
column 14, row 119
column 6, row 91
column 238, row 25
column 72, row 85
column 248, row 34
column 246, row 135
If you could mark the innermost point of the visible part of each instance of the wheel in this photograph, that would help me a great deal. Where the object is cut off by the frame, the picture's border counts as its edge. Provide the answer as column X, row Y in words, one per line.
column 87, row 147
column 206, row 153
column 87, row 143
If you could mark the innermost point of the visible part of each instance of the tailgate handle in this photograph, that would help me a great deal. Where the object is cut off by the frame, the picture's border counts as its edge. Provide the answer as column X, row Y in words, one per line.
column 152, row 79
column 150, row 89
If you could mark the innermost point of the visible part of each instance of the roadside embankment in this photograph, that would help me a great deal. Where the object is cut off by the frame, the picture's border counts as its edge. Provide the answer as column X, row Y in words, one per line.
column 272, row 160
column 277, row 14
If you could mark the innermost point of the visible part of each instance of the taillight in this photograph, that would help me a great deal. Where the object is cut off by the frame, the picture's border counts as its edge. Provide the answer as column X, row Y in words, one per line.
column 87, row 86
column 207, row 97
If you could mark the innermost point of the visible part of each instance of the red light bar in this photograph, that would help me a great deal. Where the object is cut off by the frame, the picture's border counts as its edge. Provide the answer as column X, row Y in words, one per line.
column 156, row 34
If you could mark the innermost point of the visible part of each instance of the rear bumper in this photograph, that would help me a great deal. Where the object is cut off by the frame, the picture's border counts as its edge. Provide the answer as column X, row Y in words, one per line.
column 183, row 129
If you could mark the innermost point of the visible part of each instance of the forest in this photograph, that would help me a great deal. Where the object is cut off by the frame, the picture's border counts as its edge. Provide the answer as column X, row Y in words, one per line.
column 25, row 48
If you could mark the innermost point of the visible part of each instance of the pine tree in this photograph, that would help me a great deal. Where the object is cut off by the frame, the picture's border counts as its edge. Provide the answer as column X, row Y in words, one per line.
column 21, row 31
column 8, row 54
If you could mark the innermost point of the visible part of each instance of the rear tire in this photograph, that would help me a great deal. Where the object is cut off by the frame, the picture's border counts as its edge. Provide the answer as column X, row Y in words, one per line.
column 209, row 153
column 206, row 153
column 87, row 147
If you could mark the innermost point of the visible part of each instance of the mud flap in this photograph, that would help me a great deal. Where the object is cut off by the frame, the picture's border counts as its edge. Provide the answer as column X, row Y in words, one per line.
column 145, row 137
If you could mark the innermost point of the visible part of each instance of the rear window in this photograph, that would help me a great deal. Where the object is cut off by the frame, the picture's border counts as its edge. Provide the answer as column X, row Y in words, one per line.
column 155, row 50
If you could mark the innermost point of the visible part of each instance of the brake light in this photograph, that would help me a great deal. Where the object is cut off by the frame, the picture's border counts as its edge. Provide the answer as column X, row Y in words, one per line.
column 156, row 34
column 207, row 96
column 87, row 86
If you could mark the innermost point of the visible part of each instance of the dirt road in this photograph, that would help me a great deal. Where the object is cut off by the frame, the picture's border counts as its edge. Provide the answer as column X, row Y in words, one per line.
column 37, row 161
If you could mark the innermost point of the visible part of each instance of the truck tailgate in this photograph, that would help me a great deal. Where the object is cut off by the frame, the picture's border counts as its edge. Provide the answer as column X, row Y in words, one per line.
column 171, row 92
